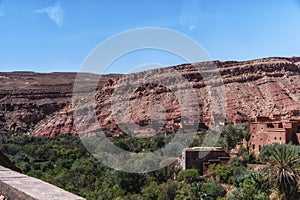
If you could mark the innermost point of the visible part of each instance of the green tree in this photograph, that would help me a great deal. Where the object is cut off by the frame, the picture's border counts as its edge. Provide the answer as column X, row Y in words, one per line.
column 150, row 192
column 254, row 187
column 132, row 183
column 247, row 138
column 283, row 169
column 221, row 172
column 230, row 135
column 167, row 191
column 212, row 190
column 185, row 192
column 188, row 175
column 248, row 192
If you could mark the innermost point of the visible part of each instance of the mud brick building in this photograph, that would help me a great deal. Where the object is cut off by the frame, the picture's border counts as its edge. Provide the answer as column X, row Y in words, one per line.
column 275, row 129
column 201, row 157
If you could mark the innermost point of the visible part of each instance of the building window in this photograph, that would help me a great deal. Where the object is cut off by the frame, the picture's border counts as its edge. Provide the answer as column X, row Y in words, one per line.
column 275, row 138
column 259, row 147
column 253, row 146
column 270, row 125
column 279, row 138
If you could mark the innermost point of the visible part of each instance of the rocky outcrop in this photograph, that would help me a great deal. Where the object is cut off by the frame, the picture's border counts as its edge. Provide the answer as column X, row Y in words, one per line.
column 40, row 104
column 28, row 98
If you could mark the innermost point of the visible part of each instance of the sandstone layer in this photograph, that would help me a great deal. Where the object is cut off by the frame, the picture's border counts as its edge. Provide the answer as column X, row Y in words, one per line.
column 149, row 102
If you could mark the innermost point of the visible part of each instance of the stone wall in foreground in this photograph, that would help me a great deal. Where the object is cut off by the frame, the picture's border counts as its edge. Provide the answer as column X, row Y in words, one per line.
column 15, row 186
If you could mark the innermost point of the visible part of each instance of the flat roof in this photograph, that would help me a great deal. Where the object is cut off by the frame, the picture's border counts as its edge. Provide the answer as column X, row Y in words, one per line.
column 203, row 149
column 275, row 130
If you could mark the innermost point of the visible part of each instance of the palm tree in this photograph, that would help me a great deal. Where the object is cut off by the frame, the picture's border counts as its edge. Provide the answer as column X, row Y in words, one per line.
column 283, row 169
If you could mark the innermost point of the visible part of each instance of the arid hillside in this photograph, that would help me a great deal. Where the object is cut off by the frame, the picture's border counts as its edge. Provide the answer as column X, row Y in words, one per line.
column 41, row 104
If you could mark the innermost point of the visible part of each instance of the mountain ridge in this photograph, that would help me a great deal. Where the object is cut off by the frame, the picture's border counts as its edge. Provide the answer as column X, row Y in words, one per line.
column 40, row 104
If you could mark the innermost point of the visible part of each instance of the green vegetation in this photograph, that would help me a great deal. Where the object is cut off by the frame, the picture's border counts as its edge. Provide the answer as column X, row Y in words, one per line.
column 283, row 169
column 188, row 175
column 65, row 162
column 231, row 135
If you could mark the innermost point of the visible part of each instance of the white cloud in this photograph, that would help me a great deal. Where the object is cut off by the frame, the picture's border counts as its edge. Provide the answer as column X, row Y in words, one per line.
column 55, row 13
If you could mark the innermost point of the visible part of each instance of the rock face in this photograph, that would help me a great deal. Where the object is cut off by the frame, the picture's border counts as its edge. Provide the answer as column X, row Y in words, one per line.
column 28, row 99
column 148, row 102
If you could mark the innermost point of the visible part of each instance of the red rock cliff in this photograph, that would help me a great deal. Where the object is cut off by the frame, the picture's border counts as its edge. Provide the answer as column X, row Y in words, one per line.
column 40, row 104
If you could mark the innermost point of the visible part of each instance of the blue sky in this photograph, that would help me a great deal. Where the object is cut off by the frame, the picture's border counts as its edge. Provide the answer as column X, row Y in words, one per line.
column 53, row 35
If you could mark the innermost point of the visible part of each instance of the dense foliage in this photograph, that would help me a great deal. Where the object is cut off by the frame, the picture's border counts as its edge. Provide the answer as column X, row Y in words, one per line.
column 283, row 168
column 65, row 162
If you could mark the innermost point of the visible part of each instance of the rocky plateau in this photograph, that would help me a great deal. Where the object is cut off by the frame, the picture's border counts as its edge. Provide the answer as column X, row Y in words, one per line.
column 149, row 102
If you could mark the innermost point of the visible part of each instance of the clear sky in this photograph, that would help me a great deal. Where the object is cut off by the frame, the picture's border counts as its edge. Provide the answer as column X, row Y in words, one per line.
column 51, row 35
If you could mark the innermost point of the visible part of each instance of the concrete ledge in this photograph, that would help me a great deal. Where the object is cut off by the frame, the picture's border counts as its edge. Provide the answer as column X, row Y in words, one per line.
column 17, row 186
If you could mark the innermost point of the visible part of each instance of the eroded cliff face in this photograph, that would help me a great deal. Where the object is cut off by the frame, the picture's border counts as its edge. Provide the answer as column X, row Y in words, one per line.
column 40, row 104
column 28, row 99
